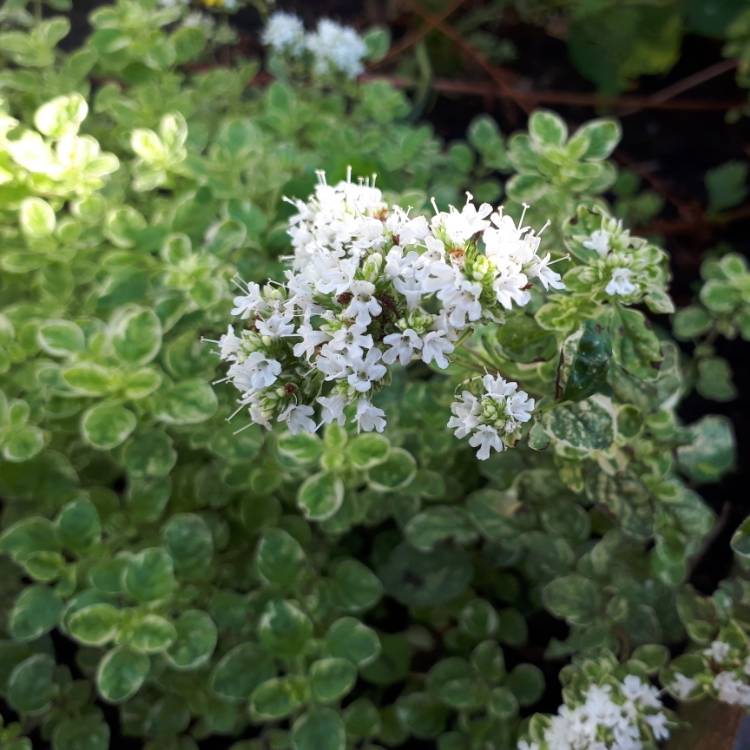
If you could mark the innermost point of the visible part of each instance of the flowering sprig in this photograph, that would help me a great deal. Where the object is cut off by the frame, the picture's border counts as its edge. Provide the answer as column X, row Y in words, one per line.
column 329, row 50
column 610, row 714
column 616, row 265
column 369, row 287
column 492, row 418
column 725, row 673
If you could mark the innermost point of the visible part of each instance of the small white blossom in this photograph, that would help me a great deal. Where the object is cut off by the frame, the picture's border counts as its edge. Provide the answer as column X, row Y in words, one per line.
column 365, row 371
column 284, row 32
column 336, row 49
column 621, row 283
column 298, row 418
column 368, row 417
column 435, row 346
column 255, row 372
column 403, row 345
column 598, row 241
column 333, row 408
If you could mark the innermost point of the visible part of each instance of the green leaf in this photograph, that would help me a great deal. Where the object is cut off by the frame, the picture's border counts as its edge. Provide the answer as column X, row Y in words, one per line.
column 715, row 379
column 78, row 525
column 585, row 362
column 601, row 137
column 188, row 541
column 421, row 715
column 61, row 116
column 36, row 611
column 136, row 335
column 319, row 729
column 726, row 185
column 278, row 697
column 368, row 450
column 279, row 558
column 331, row 679
column 23, row 443
column 29, row 535
column 547, row 128
column 150, row 575
column 583, row 427
column 60, row 338
column 612, row 45
column 437, row 524
column 741, row 541
column 284, row 629
column 427, row 579
column 348, row 638
column 320, row 496
column 31, row 684
column 37, row 218
column 121, row 673
column 188, row 402
column 691, row 322
column 94, row 625
column 240, row 671
column 573, row 598
column 148, row 634
column 303, row 448
column 81, row 733
column 89, row 379
column 526, row 682
column 377, row 39
column 195, row 640
column 107, row 425
column 711, row 452
column 357, row 587
column 503, row 704
column 150, row 454
column 395, row 473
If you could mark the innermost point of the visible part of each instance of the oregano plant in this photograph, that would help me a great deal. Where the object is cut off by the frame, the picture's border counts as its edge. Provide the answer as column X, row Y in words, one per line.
column 320, row 433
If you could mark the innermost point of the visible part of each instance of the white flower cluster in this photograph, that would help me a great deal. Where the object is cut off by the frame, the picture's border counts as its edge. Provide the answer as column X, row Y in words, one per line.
column 371, row 286
column 621, row 263
column 729, row 673
column 625, row 716
column 493, row 418
column 333, row 48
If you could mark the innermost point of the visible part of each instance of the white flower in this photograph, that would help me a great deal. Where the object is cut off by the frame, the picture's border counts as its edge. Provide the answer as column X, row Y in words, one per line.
column 333, row 408
column 465, row 414
column 718, row 651
column 598, row 241
column 249, row 303
column 229, row 344
column 255, row 372
column 435, row 346
column 460, row 227
column 402, row 345
column 369, row 417
column 620, row 282
column 732, row 690
column 351, row 341
column 485, row 438
column 278, row 325
column 539, row 268
column 298, row 418
column 336, row 49
column 682, row 685
column 363, row 306
column 284, row 32
column 524, row 745
column 311, row 340
column 462, row 301
column 365, row 371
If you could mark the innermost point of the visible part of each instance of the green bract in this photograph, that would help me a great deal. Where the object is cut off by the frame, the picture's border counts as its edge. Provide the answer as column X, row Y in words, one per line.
column 204, row 577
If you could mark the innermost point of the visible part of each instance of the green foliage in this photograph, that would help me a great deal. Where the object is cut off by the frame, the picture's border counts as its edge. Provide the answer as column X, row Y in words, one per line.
column 319, row 592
